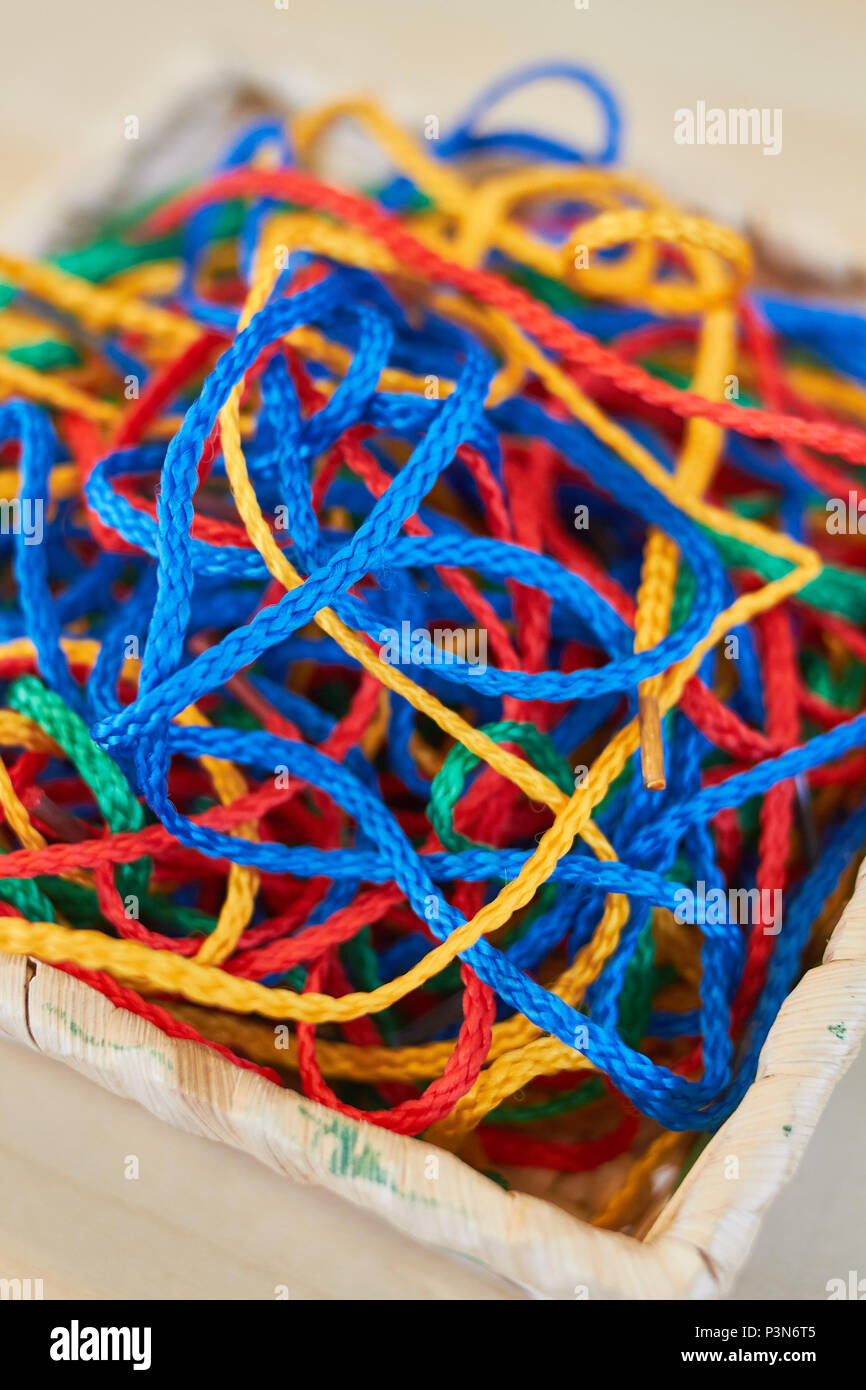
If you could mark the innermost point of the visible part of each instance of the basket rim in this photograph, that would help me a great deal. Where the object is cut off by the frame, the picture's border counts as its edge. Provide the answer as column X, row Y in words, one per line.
column 692, row 1251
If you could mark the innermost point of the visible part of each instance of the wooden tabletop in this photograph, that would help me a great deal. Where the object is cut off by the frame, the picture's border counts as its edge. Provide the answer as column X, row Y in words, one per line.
column 200, row 1220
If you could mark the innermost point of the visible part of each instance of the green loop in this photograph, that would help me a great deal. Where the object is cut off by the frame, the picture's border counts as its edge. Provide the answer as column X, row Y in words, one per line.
column 27, row 896
column 561, row 1103
column 112, row 792
column 447, row 786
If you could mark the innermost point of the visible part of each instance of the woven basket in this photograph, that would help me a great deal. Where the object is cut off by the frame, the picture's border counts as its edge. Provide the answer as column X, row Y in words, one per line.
column 692, row 1249
column 691, row 1245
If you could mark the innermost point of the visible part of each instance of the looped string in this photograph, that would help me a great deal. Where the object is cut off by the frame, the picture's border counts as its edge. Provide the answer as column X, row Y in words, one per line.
column 431, row 655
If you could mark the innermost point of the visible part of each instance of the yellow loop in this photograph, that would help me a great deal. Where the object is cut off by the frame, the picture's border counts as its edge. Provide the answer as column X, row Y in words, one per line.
column 662, row 224
column 467, row 224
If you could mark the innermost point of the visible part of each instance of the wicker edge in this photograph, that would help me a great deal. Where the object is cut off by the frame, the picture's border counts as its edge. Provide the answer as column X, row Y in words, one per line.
column 693, row 1250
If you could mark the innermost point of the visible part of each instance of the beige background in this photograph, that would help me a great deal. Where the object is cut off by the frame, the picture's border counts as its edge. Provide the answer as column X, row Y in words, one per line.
column 203, row 1221
column 72, row 72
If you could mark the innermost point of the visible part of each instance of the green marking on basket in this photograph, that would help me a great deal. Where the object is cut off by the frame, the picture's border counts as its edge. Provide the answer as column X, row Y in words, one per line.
column 76, row 1030
column 786, row 1129
column 354, row 1157
column 839, row 1030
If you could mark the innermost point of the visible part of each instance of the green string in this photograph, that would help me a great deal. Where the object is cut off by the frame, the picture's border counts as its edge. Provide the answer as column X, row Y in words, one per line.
column 447, row 786
column 112, row 792
column 562, row 1103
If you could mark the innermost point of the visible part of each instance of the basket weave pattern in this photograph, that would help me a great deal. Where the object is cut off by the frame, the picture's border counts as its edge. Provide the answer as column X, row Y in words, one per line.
column 693, row 1249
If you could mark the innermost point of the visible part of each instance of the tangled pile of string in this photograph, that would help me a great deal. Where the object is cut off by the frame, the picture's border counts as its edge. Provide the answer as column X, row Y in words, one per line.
column 357, row 541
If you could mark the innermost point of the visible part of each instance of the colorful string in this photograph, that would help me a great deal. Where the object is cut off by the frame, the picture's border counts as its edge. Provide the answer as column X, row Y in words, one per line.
column 277, row 438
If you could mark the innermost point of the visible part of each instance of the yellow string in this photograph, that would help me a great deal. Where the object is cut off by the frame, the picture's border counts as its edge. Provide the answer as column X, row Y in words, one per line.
column 625, row 1200
column 468, row 223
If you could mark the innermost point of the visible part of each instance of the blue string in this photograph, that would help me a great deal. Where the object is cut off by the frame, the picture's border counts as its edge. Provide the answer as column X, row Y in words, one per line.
column 177, row 586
